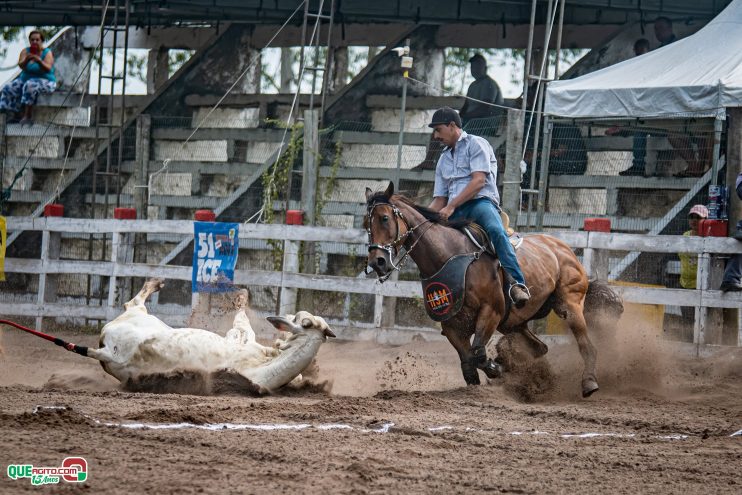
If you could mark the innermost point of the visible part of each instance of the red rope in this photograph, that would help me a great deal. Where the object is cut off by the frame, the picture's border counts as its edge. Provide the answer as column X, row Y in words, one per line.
column 29, row 330
column 79, row 349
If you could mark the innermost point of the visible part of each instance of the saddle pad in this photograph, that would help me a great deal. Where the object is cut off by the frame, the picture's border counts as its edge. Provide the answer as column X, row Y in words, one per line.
column 443, row 293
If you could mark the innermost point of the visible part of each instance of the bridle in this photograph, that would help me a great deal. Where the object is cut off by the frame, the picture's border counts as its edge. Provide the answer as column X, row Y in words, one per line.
column 400, row 239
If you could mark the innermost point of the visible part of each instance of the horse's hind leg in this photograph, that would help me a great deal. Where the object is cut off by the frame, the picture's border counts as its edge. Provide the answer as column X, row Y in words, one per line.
column 150, row 286
column 572, row 313
column 535, row 345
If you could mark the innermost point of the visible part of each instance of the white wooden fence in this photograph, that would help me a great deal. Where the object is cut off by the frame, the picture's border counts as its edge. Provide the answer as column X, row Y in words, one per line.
column 595, row 246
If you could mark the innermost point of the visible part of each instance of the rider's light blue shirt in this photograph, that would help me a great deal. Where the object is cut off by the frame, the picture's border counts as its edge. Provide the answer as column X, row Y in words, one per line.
column 454, row 169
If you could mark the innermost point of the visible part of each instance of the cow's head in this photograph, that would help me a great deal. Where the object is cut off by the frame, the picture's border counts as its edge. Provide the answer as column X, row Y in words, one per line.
column 300, row 323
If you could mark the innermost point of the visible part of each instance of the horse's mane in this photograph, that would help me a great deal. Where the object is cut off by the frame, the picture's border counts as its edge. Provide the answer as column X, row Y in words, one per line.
column 429, row 214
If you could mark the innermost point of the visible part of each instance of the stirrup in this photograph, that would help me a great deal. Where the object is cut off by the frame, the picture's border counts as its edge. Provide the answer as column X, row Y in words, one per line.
column 522, row 286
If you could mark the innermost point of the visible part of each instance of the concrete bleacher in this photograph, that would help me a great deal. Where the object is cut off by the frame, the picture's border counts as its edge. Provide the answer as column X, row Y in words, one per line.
column 230, row 146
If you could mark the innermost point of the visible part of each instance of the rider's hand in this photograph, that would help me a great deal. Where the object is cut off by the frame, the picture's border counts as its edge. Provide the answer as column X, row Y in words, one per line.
column 446, row 212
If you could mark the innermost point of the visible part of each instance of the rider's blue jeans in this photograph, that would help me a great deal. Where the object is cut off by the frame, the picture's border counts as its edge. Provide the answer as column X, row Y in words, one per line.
column 484, row 212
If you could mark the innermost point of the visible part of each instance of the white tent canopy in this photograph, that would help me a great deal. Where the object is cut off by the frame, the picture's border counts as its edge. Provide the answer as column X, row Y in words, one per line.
column 700, row 74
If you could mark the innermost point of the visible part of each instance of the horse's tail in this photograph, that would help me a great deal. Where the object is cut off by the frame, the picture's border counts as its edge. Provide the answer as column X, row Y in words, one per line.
column 602, row 301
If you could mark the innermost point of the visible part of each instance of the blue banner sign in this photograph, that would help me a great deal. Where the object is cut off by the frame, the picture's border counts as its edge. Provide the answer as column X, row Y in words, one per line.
column 216, row 246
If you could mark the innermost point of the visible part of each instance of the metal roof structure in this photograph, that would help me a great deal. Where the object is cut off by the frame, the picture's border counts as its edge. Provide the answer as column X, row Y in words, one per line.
column 506, row 12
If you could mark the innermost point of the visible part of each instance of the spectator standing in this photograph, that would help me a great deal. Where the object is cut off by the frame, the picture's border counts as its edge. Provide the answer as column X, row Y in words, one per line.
column 689, row 261
column 37, row 77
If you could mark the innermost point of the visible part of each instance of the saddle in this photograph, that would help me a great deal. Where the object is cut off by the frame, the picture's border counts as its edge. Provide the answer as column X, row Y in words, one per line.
column 444, row 292
column 480, row 238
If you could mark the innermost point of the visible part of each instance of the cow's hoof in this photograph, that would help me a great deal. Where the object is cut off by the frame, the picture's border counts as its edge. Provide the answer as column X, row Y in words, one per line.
column 155, row 284
column 241, row 299
column 589, row 387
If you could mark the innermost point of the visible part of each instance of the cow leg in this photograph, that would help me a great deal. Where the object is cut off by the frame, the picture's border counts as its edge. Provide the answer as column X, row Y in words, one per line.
column 241, row 331
column 487, row 321
column 150, row 287
column 463, row 348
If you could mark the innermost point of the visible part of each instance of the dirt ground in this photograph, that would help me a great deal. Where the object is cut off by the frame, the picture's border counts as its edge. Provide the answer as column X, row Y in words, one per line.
column 388, row 420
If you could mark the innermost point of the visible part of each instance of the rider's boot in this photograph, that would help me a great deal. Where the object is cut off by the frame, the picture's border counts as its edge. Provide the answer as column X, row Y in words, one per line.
column 519, row 295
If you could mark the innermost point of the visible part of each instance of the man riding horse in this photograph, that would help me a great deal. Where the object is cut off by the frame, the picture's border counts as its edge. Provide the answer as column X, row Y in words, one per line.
column 465, row 189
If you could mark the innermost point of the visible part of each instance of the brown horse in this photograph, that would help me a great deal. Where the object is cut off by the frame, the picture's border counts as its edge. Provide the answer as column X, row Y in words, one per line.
column 556, row 279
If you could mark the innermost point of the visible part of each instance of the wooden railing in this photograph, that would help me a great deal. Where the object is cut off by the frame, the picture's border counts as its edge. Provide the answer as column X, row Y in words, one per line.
column 594, row 245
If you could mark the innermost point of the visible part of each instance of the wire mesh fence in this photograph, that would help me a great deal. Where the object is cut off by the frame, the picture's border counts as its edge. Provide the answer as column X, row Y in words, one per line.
column 643, row 175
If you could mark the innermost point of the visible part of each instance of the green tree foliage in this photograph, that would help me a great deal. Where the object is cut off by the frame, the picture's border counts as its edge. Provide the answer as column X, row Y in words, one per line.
column 9, row 35
column 176, row 59
column 516, row 60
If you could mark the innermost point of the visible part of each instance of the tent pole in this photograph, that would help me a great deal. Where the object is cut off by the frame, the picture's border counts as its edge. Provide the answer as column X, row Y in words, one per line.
column 543, row 71
column 543, row 180
column 559, row 39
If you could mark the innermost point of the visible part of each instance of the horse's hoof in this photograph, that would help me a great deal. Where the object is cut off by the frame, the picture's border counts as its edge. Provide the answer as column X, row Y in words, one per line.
column 493, row 370
column 469, row 370
column 589, row 387
column 472, row 380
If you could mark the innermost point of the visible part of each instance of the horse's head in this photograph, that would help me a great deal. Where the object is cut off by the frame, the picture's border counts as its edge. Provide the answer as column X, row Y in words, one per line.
column 387, row 230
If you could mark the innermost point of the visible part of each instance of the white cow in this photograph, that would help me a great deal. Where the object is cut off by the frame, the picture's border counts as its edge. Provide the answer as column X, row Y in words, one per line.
column 146, row 354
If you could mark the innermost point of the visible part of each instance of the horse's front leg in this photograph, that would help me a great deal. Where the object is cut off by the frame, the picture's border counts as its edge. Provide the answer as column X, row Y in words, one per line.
column 461, row 343
column 487, row 321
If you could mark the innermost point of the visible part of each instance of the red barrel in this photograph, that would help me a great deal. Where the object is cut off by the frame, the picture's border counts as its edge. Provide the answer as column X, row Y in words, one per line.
column 54, row 210
column 125, row 213
column 294, row 217
column 205, row 216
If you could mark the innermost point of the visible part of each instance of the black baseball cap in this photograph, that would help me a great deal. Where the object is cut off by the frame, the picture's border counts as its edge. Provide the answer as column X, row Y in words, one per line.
column 445, row 115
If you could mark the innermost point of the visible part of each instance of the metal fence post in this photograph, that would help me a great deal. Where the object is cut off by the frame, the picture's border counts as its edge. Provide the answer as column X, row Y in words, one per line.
column 543, row 180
